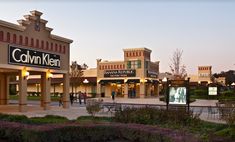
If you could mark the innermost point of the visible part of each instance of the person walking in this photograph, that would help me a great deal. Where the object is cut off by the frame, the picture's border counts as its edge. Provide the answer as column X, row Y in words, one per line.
column 113, row 95
column 80, row 97
column 60, row 101
column 84, row 97
column 71, row 98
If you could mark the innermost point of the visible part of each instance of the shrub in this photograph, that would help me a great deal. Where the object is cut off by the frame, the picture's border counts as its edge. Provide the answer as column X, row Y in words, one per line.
column 147, row 115
column 48, row 119
column 201, row 92
column 90, row 133
column 93, row 106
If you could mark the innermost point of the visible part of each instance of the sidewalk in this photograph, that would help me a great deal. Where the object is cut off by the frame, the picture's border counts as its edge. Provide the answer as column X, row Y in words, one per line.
column 77, row 110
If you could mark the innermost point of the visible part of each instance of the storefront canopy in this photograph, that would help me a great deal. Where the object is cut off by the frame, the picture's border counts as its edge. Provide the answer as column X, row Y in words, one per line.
column 133, row 81
column 151, row 81
column 118, row 81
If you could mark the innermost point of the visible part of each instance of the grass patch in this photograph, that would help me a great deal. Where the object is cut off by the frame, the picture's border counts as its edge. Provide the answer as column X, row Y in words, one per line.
column 90, row 119
column 34, row 120
column 33, row 98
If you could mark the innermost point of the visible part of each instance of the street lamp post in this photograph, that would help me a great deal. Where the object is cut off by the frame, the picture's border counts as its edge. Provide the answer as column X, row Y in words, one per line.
column 165, row 81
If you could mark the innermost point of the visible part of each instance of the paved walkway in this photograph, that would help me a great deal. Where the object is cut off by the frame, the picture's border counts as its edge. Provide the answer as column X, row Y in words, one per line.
column 34, row 110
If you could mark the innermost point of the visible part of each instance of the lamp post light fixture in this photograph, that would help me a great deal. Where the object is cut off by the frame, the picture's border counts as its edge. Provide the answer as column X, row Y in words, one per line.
column 164, row 81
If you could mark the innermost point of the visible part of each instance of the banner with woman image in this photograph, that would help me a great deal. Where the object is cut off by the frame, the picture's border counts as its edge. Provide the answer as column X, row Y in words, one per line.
column 177, row 95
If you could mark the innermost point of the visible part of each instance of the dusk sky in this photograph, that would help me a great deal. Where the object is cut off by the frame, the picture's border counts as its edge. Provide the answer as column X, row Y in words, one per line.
column 204, row 30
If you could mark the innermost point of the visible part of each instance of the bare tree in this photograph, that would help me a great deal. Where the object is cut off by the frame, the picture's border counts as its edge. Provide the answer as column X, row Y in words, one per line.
column 76, row 72
column 177, row 69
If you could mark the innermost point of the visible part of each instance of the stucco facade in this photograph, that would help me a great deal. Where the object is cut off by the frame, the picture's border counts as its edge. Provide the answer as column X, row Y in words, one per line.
column 135, row 76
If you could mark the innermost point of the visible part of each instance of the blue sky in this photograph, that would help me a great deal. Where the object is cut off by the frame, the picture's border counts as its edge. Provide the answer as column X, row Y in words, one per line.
column 204, row 30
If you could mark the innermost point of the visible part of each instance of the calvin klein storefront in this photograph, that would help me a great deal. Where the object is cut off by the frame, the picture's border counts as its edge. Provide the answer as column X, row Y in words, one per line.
column 30, row 49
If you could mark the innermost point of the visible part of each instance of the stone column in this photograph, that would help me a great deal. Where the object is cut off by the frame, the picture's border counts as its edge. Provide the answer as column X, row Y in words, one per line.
column 7, row 89
column 142, row 89
column 148, row 91
column 126, row 90
column 4, row 89
column 45, row 90
column 22, row 91
column 65, row 97
column 156, row 89
column 98, row 90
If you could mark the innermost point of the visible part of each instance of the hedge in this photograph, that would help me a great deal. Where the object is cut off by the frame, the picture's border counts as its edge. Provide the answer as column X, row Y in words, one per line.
column 74, row 132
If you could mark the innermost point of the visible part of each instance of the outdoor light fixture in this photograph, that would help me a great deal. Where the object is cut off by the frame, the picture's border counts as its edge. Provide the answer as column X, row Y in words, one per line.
column 164, row 79
column 26, row 75
column 85, row 81
column 50, row 75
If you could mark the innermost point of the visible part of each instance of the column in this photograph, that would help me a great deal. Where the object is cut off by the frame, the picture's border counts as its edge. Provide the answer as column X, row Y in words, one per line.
column 108, row 91
column 2, row 89
column 65, row 97
column 126, row 90
column 142, row 89
column 148, row 89
column 45, row 90
column 98, row 90
column 7, row 88
column 22, row 91
column 156, row 89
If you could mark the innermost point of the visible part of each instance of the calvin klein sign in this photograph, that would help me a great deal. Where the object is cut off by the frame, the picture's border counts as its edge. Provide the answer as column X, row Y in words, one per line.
column 22, row 56
column 120, row 73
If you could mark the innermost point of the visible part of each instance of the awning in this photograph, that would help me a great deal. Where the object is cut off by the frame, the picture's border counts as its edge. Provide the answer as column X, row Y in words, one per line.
column 151, row 81
column 155, row 81
column 133, row 81
column 118, row 81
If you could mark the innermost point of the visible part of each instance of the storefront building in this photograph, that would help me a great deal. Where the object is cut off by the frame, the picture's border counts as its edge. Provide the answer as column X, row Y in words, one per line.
column 30, row 49
column 134, row 77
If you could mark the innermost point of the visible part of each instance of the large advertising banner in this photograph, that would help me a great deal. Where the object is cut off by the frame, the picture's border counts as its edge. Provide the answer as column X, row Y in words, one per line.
column 177, row 95
column 23, row 56
column 212, row 90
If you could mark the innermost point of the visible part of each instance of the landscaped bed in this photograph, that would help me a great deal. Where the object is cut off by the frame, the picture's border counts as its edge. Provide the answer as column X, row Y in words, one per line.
column 74, row 132
column 128, row 125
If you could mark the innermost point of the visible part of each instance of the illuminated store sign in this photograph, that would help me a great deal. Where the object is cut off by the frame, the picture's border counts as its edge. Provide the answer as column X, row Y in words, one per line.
column 152, row 74
column 22, row 56
column 120, row 73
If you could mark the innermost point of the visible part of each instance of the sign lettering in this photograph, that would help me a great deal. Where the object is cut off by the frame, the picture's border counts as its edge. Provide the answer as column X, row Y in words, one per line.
column 22, row 56
column 120, row 73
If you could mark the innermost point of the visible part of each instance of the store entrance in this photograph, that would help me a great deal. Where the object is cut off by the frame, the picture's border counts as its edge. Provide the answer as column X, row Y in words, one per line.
column 133, row 90
column 118, row 88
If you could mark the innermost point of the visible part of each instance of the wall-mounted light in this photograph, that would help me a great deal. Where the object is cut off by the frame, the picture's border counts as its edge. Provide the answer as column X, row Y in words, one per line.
column 26, row 75
column 50, row 75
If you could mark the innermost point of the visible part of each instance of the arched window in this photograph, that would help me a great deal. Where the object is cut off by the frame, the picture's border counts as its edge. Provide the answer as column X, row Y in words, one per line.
column 14, row 38
column 1, row 35
column 42, row 44
column 26, row 42
column 32, row 42
column 56, row 47
column 8, row 37
column 37, row 43
column 51, row 46
column 21, row 40
column 47, row 45
column 60, row 49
